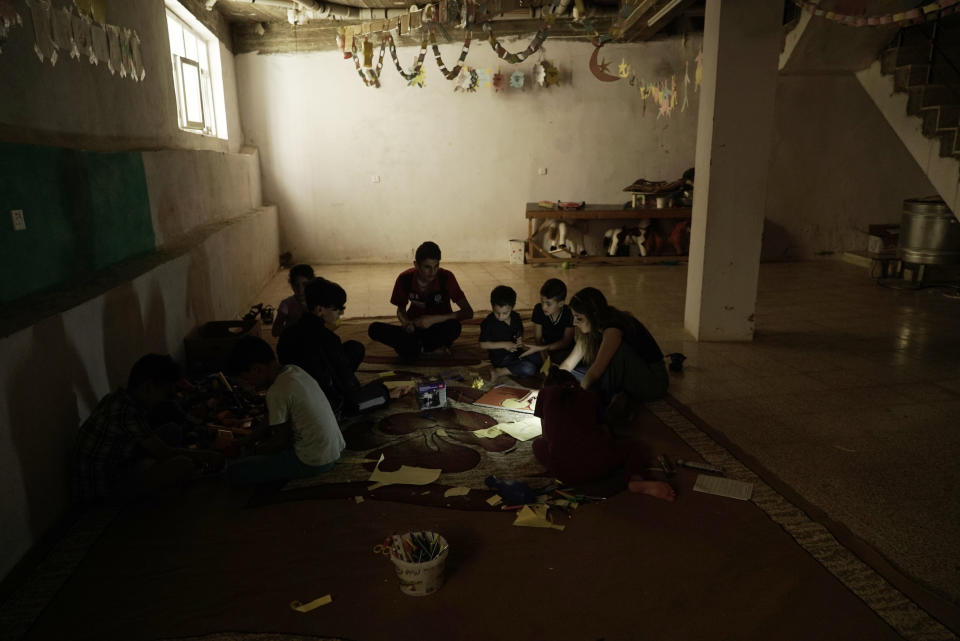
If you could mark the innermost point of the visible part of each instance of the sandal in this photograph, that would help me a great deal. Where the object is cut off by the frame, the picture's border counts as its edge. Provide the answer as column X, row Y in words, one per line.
column 253, row 313
column 266, row 315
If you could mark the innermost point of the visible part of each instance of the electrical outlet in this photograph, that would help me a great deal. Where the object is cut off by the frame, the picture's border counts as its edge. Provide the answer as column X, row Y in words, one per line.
column 374, row 179
column 542, row 171
column 19, row 224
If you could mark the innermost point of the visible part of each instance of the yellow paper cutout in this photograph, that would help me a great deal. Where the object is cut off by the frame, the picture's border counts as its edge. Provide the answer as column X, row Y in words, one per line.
column 457, row 491
column 406, row 475
column 494, row 500
column 358, row 499
column 523, row 430
column 535, row 516
column 312, row 605
column 386, row 374
column 490, row 432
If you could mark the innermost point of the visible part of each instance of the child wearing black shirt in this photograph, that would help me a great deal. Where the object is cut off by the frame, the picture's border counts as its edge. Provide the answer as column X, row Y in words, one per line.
column 501, row 334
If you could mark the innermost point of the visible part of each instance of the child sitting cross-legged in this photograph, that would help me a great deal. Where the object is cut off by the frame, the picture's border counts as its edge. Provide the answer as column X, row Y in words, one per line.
column 501, row 334
column 301, row 437
column 553, row 322
column 576, row 448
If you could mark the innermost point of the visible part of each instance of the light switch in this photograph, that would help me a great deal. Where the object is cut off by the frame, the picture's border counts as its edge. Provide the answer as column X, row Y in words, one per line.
column 542, row 171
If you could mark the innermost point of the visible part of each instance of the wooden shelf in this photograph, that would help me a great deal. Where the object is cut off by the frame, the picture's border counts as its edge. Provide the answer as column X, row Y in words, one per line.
column 537, row 254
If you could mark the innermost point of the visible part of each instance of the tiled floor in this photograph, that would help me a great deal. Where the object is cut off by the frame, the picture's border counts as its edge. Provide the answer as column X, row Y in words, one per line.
column 850, row 392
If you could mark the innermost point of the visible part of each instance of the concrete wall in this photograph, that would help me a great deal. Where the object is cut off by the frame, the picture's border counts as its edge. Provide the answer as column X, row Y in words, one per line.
column 836, row 167
column 216, row 247
column 453, row 167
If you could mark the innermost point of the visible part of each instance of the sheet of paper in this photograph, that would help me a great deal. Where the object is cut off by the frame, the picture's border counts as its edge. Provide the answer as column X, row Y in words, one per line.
column 357, row 460
column 358, row 499
column 457, row 491
column 523, row 430
column 494, row 500
column 386, row 374
column 490, row 432
column 723, row 487
column 535, row 516
column 312, row 605
column 406, row 475
column 398, row 384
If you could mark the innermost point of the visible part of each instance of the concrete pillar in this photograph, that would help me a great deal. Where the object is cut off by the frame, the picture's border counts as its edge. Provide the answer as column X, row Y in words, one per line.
column 741, row 47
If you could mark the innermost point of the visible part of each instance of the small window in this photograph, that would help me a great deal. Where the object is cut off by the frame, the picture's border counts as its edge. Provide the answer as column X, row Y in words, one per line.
column 197, row 79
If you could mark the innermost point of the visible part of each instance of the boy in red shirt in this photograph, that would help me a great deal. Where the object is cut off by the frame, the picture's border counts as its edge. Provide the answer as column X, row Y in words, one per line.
column 423, row 295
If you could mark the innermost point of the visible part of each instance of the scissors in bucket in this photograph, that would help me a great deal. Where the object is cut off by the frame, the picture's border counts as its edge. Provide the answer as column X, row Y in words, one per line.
column 382, row 548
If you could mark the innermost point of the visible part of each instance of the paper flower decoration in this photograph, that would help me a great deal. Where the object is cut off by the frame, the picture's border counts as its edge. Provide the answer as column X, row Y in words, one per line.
column 483, row 77
column 468, row 80
column 418, row 80
column 499, row 81
column 546, row 73
column 517, row 79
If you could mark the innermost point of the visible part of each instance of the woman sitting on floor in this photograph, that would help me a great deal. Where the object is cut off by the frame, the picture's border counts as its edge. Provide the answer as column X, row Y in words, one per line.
column 576, row 448
column 614, row 352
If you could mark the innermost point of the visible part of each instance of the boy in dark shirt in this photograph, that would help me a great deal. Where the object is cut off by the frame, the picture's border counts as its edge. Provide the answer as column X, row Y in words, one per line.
column 501, row 334
column 312, row 345
column 423, row 295
column 553, row 322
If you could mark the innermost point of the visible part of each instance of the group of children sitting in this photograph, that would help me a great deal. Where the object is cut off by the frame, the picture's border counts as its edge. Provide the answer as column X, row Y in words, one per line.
column 605, row 357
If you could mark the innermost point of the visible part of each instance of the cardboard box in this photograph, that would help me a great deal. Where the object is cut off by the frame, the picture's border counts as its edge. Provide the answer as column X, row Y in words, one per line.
column 516, row 251
column 431, row 393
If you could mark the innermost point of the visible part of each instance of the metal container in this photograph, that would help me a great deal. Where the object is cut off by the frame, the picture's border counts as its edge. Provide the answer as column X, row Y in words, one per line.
column 929, row 233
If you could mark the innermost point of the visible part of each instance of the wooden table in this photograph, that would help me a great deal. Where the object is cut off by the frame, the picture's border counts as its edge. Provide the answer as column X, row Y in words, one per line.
column 536, row 214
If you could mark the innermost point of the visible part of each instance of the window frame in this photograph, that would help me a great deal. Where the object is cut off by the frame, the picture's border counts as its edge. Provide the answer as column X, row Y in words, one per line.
column 209, row 87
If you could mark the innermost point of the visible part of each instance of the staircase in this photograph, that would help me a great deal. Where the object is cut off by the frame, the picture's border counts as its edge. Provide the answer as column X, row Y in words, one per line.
column 925, row 63
column 916, row 85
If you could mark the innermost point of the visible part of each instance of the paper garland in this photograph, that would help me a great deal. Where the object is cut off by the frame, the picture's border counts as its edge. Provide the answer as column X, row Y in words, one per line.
column 930, row 11
column 455, row 72
column 516, row 58
column 418, row 65
column 374, row 79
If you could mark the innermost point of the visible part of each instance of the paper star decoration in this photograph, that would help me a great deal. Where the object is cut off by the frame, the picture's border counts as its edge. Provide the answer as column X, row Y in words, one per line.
column 624, row 69
column 604, row 65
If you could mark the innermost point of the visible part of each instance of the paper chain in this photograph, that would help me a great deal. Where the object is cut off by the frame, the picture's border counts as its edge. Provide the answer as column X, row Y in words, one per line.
column 930, row 11
column 396, row 61
column 516, row 58
column 375, row 72
column 453, row 73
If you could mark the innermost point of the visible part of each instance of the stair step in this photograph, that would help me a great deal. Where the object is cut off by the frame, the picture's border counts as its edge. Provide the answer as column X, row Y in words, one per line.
column 909, row 76
column 937, row 119
column 929, row 96
column 948, row 143
column 913, row 54
column 888, row 61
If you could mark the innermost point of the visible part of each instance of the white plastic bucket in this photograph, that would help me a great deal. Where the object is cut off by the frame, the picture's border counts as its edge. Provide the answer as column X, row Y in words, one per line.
column 421, row 579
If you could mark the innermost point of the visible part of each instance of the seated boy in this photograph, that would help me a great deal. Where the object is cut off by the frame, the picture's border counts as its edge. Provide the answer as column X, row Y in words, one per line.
column 423, row 295
column 501, row 334
column 118, row 455
column 313, row 346
column 576, row 448
column 553, row 322
column 301, row 437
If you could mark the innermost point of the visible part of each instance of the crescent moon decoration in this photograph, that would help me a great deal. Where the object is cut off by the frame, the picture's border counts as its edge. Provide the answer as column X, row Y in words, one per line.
column 452, row 73
column 418, row 65
column 599, row 69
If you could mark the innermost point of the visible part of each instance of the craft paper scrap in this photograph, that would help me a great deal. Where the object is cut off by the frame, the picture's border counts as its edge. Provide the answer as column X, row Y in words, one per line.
column 490, row 432
column 376, row 486
column 406, row 475
column 386, row 374
column 535, row 516
column 359, row 460
column 723, row 487
column 358, row 499
column 398, row 384
column 441, row 432
column 312, row 605
column 494, row 500
column 457, row 491
column 522, row 430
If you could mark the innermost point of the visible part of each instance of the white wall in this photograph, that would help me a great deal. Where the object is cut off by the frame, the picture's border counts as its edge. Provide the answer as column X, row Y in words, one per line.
column 455, row 168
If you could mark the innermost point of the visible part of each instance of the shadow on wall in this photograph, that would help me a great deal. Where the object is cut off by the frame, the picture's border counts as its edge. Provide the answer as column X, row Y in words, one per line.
column 155, row 324
column 123, row 333
column 199, row 289
column 43, row 393
column 778, row 243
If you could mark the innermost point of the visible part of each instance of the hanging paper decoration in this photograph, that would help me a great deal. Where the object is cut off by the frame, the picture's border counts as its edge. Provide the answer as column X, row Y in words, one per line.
column 43, row 45
column 415, row 72
column 136, row 53
column 599, row 69
column 698, row 74
column 93, row 9
column 367, row 53
column 342, row 43
column 98, row 42
column 930, row 11
column 81, row 38
column 516, row 58
column 455, row 72
column 8, row 18
column 114, row 60
column 374, row 79
column 418, row 80
column 686, row 86
column 517, row 79
column 623, row 70
column 484, row 76
column 499, row 81
column 63, row 32
column 468, row 80
column 546, row 74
